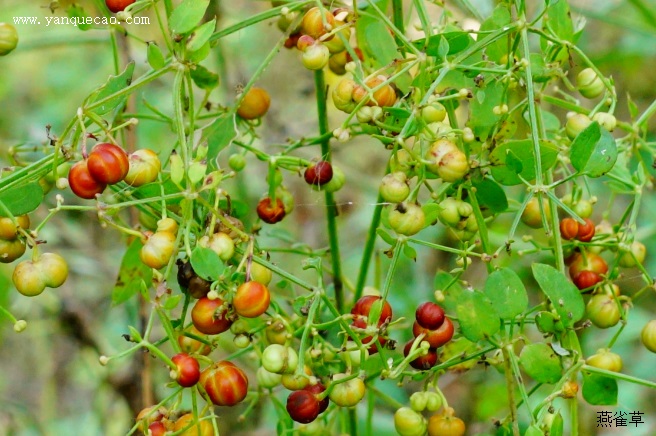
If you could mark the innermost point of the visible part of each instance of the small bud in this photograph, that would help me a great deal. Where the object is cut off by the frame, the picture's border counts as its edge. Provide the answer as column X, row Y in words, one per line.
column 20, row 325
column 104, row 360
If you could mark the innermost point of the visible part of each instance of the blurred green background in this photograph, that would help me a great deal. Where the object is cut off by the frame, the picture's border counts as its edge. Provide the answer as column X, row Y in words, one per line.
column 51, row 382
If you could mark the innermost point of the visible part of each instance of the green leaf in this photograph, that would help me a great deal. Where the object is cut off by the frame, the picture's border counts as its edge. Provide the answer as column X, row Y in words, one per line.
column 204, row 78
column 444, row 44
column 482, row 118
column 132, row 276
column 500, row 17
column 565, row 297
column 541, row 363
column 207, row 264
column 196, row 57
column 386, row 236
column 397, row 117
column 77, row 13
column 410, row 252
column 185, row 17
column 507, row 293
column 523, row 151
column 154, row 191
column 599, row 390
column 477, row 316
column 513, row 163
column 218, row 136
column 593, row 151
column 557, row 425
column 451, row 288
column 559, row 20
column 172, row 302
column 375, row 41
column 22, row 199
column 533, row 430
column 155, row 56
column 301, row 305
column 490, row 196
column 431, row 211
column 113, row 85
column 201, row 35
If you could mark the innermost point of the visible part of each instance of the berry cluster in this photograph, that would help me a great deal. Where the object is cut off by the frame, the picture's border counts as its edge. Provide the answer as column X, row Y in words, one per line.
column 436, row 330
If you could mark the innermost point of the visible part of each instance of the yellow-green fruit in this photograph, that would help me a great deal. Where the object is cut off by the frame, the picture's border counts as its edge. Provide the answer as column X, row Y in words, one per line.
column 447, row 161
column 261, row 274
column 648, row 335
column 407, row 422
column 11, row 250
column 634, row 256
column 605, row 359
column 8, row 38
column 28, row 278
column 532, row 216
column 158, row 249
column 9, row 229
column 589, row 84
column 54, row 269
column 576, row 124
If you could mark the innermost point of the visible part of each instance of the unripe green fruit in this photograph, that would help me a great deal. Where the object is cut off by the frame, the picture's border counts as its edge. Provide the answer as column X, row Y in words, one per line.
column 448, row 214
column 336, row 183
column 261, row 274
column 605, row 120
column 433, row 401
column 648, row 336
column 349, row 393
column 447, row 161
column 433, row 113
column 279, row 359
column 532, row 216
column 407, row 219
column 237, row 162
column 418, row 401
column 402, row 162
column 605, row 359
column 589, row 84
column 8, row 38
column 316, row 56
column 407, row 422
column 394, row 187
column 343, row 95
column 636, row 255
column 576, row 124
column 11, row 250
column 602, row 311
column 266, row 379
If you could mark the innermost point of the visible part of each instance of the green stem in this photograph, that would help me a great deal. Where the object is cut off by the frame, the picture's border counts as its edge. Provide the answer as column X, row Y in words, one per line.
column 369, row 248
column 331, row 206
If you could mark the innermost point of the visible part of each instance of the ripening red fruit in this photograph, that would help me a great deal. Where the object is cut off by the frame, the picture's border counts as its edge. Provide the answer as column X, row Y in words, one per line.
column 82, row 182
column 108, row 163
column 361, row 323
column 363, row 307
column 251, row 299
column 225, row 383
column 586, row 279
column 269, row 213
column 318, row 389
column 118, row 5
column 586, row 231
column 188, row 371
column 206, row 319
column 319, row 174
column 436, row 338
column 421, row 363
column 569, row 228
column 429, row 315
column 157, row 428
column 303, row 406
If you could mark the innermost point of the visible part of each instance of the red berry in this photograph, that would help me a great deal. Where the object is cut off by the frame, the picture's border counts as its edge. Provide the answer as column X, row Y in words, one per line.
column 363, row 307
column 82, row 182
column 319, row 174
column 118, row 5
column 569, row 228
column 586, row 231
column 188, row 370
column 269, row 213
column 317, row 390
column 108, row 163
column 436, row 338
column 430, row 315
column 251, row 299
column 421, row 363
column 157, row 428
column 206, row 319
column 225, row 383
column 586, row 279
column 303, row 406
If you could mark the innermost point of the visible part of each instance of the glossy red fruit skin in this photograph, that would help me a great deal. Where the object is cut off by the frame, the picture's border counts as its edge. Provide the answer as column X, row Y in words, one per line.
column 118, row 5
column 319, row 174
column 429, row 315
column 204, row 318
column 303, row 406
column 251, row 299
column 225, row 383
column 108, row 163
column 586, row 231
column 82, row 183
column 436, row 338
column 586, row 279
column 590, row 262
column 569, row 228
column 188, row 369
column 422, row 363
column 157, row 428
column 363, row 307
column 269, row 213
column 317, row 390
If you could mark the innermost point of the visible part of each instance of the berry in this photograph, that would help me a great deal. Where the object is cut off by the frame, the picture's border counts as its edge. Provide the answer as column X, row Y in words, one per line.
column 362, row 308
column 589, row 84
column 8, row 38
column 269, row 213
column 447, row 161
column 221, row 244
column 279, row 359
column 407, row 422
column 407, row 219
column 200, row 428
column 436, row 338
column 11, row 250
column 188, row 371
column 569, row 228
column 605, row 359
column 318, row 389
column 586, row 279
column 254, row 104
column 531, row 215
column 648, row 336
column 158, row 249
column 319, row 174
column 302, row 406
column 225, row 383
column 9, row 230
column 207, row 320
column 445, row 425
column 261, row 274
column 576, row 124
column 313, row 22
column 394, row 187
column 144, row 166
column 108, row 163
column 31, row 277
column 190, row 345
column 586, row 231
column 118, row 5
column 316, row 56
column 423, row 362
column 251, row 299
column 602, row 310
column 605, row 120
column 636, row 255
column 82, row 182
column 267, row 379
column 383, row 97
column 348, row 393
column 429, row 315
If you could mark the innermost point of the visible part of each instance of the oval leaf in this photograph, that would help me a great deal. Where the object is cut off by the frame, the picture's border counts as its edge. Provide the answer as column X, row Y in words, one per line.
column 541, row 363
column 507, row 293
column 113, row 85
column 185, row 17
column 155, row 56
column 207, row 264
column 490, row 196
column 504, row 168
column 477, row 316
column 564, row 296
column 201, row 35
column 132, row 276
column 22, row 199
column 593, row 151
column 599, row 390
